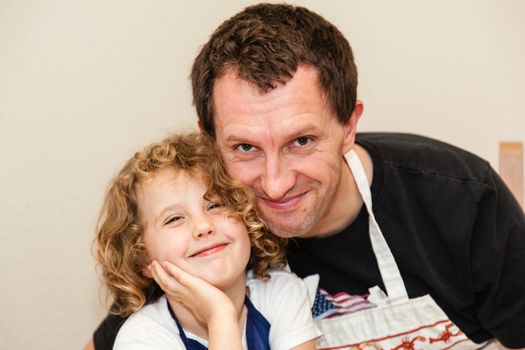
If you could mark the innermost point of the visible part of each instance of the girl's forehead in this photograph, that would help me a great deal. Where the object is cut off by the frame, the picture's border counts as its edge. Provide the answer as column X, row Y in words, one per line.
column 169, row 185
column 177, row 174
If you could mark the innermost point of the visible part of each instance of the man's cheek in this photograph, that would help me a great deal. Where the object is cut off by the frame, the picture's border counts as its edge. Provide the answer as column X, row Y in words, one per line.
column 242, row 172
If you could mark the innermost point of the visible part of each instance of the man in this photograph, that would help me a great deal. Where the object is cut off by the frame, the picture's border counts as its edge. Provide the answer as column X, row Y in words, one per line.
column 275, row 86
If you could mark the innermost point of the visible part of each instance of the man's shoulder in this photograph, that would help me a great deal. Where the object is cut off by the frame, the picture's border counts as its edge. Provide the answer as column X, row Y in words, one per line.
column 421, row 154
column 395, row 144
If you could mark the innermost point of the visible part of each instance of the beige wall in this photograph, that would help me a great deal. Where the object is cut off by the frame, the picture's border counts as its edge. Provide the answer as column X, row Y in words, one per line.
column 83, row 83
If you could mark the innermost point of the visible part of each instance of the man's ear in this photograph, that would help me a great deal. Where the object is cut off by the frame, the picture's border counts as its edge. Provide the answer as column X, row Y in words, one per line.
column 351, row 125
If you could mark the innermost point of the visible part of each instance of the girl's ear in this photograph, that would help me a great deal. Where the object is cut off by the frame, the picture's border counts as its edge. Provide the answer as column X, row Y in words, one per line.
column 146, row 271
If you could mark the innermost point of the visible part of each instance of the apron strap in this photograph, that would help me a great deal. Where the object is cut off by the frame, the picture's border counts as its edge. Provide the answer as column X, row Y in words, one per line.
column 395, row 287
column 189, row 344
column 257, row 330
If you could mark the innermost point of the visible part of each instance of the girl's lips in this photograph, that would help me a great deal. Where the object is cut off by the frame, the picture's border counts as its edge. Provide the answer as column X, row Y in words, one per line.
column 209, row 250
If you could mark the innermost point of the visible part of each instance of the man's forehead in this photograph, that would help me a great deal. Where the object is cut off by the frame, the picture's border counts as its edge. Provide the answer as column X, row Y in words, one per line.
column 230, row 83
column 232, row 91
column 262, row 86
column 243, row 113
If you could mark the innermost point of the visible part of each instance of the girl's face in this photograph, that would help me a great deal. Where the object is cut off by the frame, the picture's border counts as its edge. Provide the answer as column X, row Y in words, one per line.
column 196, row 234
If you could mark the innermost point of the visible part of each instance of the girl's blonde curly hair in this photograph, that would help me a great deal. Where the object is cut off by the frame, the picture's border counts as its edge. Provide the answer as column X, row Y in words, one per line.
column 119, row 244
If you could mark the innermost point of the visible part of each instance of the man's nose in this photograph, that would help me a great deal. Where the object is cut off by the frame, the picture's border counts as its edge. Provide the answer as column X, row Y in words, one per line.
column 278, row 179
column 202, row 226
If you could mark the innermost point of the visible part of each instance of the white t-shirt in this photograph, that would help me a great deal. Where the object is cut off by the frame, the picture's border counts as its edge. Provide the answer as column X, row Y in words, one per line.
column 282, row 300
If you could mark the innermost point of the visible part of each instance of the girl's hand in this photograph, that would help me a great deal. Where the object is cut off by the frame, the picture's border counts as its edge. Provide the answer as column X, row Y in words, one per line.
column 207, row 303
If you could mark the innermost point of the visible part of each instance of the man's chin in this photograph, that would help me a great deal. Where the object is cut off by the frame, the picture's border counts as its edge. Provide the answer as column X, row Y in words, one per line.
column 296, row 222
column 289, row 229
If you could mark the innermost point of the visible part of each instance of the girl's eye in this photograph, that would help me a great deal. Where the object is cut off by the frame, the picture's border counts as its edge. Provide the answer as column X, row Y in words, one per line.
column 173, row 219
column 213, row 206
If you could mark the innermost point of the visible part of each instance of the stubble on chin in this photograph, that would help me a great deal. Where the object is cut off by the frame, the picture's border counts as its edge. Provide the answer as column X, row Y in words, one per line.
column 289, row 226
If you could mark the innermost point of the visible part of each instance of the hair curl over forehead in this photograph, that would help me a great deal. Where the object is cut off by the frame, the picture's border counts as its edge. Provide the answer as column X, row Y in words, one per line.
column 264, row 44
column 119, row 243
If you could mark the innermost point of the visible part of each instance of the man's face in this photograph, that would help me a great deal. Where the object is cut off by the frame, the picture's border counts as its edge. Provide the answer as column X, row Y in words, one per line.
column 288, row 146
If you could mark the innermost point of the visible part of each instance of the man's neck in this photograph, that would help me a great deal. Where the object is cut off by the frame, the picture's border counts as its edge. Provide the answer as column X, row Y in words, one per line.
column 347, row 201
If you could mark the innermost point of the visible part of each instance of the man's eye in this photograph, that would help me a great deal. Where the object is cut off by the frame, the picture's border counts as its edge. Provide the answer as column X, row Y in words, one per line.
column 302, row 141
column 244, row 147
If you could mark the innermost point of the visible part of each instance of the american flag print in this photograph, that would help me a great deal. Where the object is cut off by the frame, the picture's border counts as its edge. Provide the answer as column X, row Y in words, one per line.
column 327, row 305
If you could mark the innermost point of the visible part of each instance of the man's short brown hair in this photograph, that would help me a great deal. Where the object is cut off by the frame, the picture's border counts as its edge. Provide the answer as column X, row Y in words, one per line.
column 264, row 44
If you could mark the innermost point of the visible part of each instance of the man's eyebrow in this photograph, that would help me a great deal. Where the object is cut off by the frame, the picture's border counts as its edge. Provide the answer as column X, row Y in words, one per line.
column 236, row 139
column 307, row 129
column 304, row 131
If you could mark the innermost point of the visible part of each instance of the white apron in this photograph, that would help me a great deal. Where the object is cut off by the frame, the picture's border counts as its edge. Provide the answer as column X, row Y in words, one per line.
column 397, row 322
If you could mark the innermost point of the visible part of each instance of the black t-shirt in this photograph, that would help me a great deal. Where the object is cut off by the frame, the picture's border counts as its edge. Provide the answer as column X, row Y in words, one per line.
column 455, row 231
column 453, row 227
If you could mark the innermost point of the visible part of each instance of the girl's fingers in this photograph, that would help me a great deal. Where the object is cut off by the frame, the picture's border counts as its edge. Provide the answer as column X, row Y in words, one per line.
column 173, row 269
column 165, row 280
column 176, row 282
column 179, row 274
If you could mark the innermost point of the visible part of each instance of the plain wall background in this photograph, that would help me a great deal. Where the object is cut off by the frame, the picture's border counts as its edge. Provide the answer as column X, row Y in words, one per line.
column 84, row 83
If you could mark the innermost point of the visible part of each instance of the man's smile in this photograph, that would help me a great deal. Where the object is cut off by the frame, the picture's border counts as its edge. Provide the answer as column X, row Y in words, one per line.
column 285, row 204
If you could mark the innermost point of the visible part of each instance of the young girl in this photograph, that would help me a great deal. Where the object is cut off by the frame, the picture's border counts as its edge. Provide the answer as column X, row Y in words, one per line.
column 174, row 217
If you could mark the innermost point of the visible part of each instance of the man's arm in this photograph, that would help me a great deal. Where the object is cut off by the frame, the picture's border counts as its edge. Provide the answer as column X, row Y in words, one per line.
column 106, row 333
column 90, row 345
column 497, row 262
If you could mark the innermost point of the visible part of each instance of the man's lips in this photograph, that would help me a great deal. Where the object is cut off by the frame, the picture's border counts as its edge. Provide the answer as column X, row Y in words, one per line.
column 286, row 204
column 212, row 249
